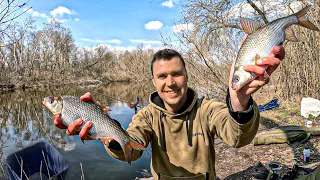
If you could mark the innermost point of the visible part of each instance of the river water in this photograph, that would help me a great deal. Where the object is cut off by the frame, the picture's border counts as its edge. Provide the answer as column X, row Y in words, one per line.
column 24, row 120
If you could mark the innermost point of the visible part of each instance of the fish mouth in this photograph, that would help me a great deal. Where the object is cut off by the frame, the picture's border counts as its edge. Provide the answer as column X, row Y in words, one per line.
column 234, row 86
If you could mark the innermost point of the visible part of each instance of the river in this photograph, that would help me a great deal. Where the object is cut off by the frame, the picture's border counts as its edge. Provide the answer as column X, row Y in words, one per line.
column 24, row 120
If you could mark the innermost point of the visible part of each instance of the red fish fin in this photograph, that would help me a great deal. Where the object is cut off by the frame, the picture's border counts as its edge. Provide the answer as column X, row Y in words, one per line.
column 303, row 21
column 106, row 140
column 104, row 109
column 137, row 146
column 290, row 36
column 130, row 105
column 127, row 149
column 256, row 57
column 249, row 25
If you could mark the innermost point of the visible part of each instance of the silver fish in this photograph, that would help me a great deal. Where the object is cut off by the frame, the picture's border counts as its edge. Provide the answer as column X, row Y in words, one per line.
column 103, row 127
column 261, row 38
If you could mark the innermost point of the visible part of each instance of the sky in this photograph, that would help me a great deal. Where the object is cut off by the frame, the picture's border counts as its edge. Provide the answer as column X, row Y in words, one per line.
column 125, row 24
column 114, row 23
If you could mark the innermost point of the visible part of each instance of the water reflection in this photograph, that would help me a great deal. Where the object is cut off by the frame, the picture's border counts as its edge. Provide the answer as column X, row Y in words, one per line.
column 24, row 120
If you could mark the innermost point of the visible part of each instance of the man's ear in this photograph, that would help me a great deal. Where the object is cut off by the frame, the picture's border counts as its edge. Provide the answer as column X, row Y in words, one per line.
column 154, row 84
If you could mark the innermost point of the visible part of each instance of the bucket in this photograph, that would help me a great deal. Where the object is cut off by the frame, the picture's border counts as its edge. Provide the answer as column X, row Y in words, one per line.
column 40, row 159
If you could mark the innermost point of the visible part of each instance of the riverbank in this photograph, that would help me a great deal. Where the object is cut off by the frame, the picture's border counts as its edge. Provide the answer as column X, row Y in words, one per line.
column 242, row 163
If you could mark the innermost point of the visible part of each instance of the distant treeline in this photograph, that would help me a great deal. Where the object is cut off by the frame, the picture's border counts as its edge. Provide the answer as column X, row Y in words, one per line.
column 30, row 57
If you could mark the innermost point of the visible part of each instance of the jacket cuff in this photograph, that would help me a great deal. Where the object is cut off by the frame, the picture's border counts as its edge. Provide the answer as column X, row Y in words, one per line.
column 241, row 117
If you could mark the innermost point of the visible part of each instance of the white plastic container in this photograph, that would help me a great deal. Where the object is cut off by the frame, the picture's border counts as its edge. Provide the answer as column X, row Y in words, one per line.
column 306, row 155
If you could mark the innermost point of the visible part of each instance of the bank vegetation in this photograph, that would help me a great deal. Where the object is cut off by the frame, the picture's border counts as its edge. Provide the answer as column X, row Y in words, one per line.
column 30, row 57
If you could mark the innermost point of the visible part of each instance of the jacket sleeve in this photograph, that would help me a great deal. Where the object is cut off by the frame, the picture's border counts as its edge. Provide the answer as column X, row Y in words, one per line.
column 222, row 124
column 140, row 130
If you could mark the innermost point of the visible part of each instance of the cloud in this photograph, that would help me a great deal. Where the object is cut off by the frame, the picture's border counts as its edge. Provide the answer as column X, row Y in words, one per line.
column 143, row 41
column 36, row 13
column 182, row 27
column 91, row 40
column 169, row 3
column 111, row 41
column 56, row 14
column 114, row 41
column 60, row 11
column 153, row 25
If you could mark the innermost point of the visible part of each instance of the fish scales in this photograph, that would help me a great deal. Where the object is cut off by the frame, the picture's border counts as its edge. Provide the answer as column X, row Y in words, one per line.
column 260, row 40
column 103, row 126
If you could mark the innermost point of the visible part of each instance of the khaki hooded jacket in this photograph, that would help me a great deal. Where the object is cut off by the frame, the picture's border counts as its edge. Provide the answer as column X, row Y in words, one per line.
column 182, row 144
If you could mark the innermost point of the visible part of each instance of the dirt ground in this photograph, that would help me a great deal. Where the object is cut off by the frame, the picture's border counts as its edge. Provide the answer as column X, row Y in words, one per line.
column 242, row 163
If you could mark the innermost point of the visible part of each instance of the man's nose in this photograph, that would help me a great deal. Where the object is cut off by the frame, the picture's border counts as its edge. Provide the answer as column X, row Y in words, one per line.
column 170, row 81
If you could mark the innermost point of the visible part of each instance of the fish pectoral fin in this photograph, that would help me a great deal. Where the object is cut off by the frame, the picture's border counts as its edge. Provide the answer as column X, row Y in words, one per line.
column 106, row 140
column 137, row 146
column 105, row 109
column 290, row 36
column 256, row 57
column 249, row 25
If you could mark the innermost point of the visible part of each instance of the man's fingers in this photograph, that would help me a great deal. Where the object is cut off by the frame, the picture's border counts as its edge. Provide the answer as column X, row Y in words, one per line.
column 268, row 61
column 85, row 130
column 88, row 97
column 278, row 51
column 74, row 126
column 58, row 123
column 271, row 62
column 255, row 69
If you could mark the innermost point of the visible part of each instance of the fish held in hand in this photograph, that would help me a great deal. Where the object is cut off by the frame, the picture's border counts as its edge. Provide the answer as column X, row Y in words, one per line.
column 103, row 127
column 261, row 38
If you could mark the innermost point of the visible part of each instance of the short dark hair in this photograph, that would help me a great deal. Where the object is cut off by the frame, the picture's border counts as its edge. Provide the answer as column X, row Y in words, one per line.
column 166, row 54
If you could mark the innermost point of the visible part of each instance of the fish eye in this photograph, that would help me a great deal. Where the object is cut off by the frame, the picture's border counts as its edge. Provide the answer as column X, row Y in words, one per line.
column 236, row 78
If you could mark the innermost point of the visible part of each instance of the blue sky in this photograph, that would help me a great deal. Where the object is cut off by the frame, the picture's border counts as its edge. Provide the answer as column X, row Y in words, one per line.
column 115, row 23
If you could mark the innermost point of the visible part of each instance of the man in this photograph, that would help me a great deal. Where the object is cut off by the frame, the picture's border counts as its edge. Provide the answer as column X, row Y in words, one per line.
column 180, row 126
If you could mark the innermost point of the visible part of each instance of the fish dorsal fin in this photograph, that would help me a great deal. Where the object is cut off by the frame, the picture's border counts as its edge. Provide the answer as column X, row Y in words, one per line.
column 249, row 25
column 290, row 36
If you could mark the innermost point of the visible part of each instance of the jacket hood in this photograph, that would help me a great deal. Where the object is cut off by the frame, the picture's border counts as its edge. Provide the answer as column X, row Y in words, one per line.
column 157, row 102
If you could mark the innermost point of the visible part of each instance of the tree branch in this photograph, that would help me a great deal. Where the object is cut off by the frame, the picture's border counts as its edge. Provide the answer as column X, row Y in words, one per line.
column 262, row 14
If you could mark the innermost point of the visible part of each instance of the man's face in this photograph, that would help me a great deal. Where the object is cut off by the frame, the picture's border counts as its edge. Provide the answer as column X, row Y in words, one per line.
column 170, row 79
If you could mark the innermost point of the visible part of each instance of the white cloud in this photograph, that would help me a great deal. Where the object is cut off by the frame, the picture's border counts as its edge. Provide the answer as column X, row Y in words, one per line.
column 114, row 41
column 182, row 27
column 91, row 40
column 35, row 13
column 169, row 3
column 60, row 11
column 111, row 41
column 143, row 41
column 76, row 19
column 153, row 25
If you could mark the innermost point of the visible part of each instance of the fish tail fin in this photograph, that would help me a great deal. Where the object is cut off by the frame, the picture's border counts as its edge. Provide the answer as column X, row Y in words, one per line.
column 303, row 21
column 127, row 150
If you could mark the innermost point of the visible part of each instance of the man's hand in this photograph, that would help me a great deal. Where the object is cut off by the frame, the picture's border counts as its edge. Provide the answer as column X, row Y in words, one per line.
column 240, row 98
